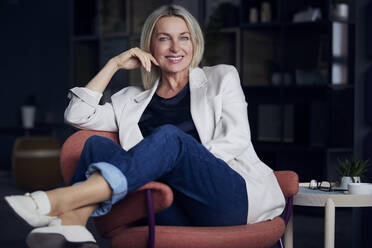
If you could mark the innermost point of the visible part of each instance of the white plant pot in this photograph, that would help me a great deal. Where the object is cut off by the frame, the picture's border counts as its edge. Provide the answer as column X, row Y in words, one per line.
column 346, row 180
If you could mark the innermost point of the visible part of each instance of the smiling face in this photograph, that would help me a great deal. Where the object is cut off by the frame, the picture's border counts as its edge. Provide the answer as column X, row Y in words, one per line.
column 171, row 45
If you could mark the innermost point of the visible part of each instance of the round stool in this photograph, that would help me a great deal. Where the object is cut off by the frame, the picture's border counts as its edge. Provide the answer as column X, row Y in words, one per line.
column 35, row 163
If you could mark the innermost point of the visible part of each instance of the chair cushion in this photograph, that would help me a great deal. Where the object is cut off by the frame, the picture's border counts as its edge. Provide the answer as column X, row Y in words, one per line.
column 262, row 234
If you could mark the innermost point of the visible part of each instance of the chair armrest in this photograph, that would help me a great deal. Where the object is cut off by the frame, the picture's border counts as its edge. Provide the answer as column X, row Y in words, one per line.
column 288, row 181
column 133, row 207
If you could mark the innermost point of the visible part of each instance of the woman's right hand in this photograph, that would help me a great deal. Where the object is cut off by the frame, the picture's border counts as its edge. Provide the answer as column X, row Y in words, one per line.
column 134, row 58
column 128, row 60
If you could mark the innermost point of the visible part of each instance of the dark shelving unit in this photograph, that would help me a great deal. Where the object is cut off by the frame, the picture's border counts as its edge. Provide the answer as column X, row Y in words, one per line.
column 311, row 125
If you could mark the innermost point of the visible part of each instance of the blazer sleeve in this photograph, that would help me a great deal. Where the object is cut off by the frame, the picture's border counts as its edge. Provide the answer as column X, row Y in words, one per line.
column 232, row 133
column 85, row 112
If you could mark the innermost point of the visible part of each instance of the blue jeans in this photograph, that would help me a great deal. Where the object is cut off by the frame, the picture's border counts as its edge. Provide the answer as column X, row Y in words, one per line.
column 207, row 192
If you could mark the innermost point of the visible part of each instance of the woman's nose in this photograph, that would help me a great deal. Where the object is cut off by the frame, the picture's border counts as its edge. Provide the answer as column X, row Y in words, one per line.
column 175, row 47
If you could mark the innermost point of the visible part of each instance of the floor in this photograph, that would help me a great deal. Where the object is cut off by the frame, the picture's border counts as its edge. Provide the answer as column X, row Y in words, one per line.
column 308, row 223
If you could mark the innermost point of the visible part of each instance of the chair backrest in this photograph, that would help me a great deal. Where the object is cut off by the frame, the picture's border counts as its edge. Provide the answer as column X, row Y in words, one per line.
column 288, row 182
column 71, row 150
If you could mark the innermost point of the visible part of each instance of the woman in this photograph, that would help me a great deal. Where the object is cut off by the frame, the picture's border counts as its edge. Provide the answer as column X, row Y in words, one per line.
column 188, row 128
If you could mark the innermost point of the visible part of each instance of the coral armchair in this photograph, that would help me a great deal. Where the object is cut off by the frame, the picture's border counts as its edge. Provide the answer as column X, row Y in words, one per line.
column 154, row 197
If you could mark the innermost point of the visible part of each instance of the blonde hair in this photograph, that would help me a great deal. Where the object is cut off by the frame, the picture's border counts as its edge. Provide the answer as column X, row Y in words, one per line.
column 149, row 78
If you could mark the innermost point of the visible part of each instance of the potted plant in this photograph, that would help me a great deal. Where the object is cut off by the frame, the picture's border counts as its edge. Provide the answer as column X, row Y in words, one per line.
column 351, row 170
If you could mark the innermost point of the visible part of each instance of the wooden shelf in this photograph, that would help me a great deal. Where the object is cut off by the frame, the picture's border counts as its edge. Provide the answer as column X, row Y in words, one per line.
column 287, row 147
column 299, row 87
column 285, row 24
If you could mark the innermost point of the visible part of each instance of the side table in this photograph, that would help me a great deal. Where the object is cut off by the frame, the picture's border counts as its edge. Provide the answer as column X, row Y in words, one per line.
column 329, row 200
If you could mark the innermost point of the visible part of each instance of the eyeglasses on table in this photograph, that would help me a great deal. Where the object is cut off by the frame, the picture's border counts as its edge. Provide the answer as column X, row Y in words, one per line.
column 323, row 186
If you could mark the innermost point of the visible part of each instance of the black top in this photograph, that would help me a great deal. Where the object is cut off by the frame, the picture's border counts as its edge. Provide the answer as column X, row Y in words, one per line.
column 174, row 110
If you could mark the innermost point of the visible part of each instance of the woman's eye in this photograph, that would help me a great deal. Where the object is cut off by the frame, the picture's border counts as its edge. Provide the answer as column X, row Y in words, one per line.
column 163, row 38
column 184, row 38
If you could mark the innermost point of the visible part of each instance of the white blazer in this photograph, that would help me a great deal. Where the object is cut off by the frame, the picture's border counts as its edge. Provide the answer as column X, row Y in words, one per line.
column 219, row 111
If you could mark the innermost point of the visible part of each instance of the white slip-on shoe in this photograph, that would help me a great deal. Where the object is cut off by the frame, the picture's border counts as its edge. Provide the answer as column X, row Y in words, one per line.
column 32, row 208
column 61, row 236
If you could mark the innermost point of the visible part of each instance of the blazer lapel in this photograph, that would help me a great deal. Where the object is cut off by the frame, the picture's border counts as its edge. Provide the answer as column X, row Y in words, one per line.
column 130, row 130
column 199, row 104
column 144, row 97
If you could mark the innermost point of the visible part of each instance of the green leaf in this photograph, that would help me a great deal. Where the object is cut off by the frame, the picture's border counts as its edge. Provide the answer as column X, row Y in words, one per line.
column 352, row 167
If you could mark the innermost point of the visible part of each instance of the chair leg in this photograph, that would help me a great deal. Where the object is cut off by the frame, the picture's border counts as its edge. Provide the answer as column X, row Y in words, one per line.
column 287, row 216
column 281, row 243
column 289, row 210
column 151, row 218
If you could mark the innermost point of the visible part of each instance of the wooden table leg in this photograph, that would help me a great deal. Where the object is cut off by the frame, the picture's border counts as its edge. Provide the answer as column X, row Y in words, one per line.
column 329, row 224
column 288, row 234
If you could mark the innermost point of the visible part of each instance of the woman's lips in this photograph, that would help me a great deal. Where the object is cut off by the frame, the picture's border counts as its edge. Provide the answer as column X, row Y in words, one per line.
column 174, row 59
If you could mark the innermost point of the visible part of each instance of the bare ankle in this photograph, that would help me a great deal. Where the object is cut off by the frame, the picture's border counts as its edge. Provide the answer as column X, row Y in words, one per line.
column 56, row 204
column 72, row 218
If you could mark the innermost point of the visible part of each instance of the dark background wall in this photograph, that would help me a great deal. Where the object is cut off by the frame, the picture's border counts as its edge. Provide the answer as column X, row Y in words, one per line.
column 35, row 55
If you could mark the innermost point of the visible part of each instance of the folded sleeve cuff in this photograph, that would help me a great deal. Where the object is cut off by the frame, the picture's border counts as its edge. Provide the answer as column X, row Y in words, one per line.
column 117, row 181
column 90, row 97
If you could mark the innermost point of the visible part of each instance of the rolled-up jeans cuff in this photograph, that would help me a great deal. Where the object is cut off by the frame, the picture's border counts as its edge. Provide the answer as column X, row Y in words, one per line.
column 116, row 180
